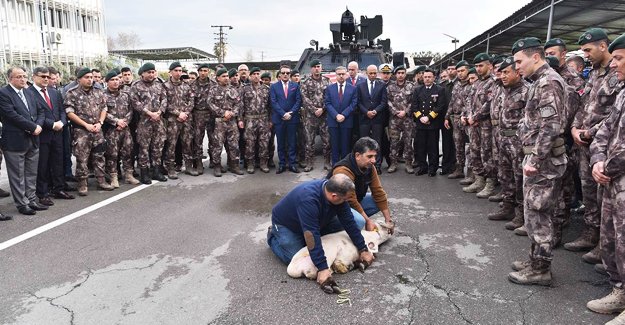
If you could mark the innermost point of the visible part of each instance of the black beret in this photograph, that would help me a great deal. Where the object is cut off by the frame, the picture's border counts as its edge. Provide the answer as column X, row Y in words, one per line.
column 554, row 42
column 254, row 69
column 314, row 62
column 553, row 61
column 232, row 72
column 294, row 72
column 472, row 71
column 113, row 73
column 506, row 63
column 592, row 35
column 617, row 44
column 481, row 58
column 203, row 65
column 147, row 67
column 175, row 65
column 220, row 72
column 82, row 72
column 525, row 43
column 420, row 68
column 398, row 68
column 265, row 75
column 463, row 63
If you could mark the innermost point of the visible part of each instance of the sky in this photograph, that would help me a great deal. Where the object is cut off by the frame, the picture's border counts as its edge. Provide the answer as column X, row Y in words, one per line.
column 281, row 30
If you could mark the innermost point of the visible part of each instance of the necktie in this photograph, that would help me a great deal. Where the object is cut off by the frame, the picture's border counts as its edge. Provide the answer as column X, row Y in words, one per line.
column 21, row 94
column 340, row 92
column 286, row 89
column 353, row 81
column 45, row 95
column 370, row 87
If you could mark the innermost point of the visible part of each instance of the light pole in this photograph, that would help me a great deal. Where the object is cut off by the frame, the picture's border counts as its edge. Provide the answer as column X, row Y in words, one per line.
column 453, row 40
column 221, row 40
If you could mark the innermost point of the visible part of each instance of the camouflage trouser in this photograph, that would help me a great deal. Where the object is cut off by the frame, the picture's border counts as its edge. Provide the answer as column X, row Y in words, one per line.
column 257, row 130
column 311, row 125
column 590, row 193
column 510, row 172
column 475, row 143
column 88, row 144
column 184, row 131
column 541, row 193
column 401, row 131
column 495, row 148
column 613, row 228
column 151, row 137
column 119, row 147
column 460, row 132
column 225, row 133
column 562, row 212
column 301, row 137
column 486, row 150
column 202, row 124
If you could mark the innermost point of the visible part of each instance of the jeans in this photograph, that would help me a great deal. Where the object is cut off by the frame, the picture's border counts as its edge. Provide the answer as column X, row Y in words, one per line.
column 370, row 208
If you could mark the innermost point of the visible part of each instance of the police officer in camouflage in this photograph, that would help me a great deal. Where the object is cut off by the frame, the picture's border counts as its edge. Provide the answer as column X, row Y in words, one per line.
column 149, row 99
column 201, row 114
column 457, row 103
column 254, row 119
column 85, row 106
column 401, row 124
column 313, row 90
column 540, row 132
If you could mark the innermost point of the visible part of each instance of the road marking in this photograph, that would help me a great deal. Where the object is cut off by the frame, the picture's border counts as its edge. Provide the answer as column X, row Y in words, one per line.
column 70, row 217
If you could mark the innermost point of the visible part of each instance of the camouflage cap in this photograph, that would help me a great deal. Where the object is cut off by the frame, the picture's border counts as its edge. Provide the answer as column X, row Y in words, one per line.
column 203, row 65
column 617, row 44
column 232, row 72
column 506, row 63
column 314, row 62
column 420, row 68
column 111, row 74
column 463, row 63
column 525, row 43
column 254, row 69
column 265, row 75
column 481, row 58
column 553, row 61
column 82, row 72
column 592, row 35
column 175, row 65
column 220, row 72
column 385, row 68
column 147, row 67
column 472, row 71
column 554, row 42
column 398, row 68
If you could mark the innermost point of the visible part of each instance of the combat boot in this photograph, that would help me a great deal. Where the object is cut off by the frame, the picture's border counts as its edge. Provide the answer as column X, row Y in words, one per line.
column 593, row 257
column 188, row 168
column 130, row 178
column 326, row 164
column 158, row 176
column 601, row 269
column 618, row 320
column 309, row 166
column 114, row 181
column 199, row 166
column 586, row 241
column 263, row 166
column 172, row 174
column 250, row 166
column 517, row 221
column 556, row 238
column 234, row 168
column 612, row 303
column 103, row 185
column 477, row 186
column 469, row 179
column 496, row 198
column 82, row 187
column 521, row 231
column 145, row 176
column 505, row 213
column 458, row 173
column 217, row 170
column 488, row 190
column 520, row 265
column 392, row 168
column 409, row 168
column 537, row 273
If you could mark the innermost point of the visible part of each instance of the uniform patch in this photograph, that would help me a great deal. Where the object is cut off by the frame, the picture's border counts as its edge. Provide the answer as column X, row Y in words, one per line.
column 547, row 112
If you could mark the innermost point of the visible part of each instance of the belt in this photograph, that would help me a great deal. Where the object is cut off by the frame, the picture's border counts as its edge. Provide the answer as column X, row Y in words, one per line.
column 557, row 148
column 494, row 122
column 255, row 117
column 221, row 119
column 508, row 133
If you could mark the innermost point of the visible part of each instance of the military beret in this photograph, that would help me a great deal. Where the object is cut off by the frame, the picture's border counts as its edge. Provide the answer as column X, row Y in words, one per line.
column 294, row 72
column 254, row 69
column 617, row 44
column 553, row 61
column 398, row 68
column 385, row 68
column 499, row 59
column 463, row 63
column 82, row 72
column 112, row 74
column 420, row 68
column 147, row 67
column 554, row 42
column 220, row 72
column 265, row 75
column 314, row 62
column 481, row 58
column 232, row 72
column 175, row 65
column 525, row 43
column 472, row 71
column 203, row 65
column 592, row 35
column 506, row 63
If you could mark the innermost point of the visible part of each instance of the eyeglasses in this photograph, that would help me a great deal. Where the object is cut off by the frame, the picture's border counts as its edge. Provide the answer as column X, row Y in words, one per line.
column 284, row 72
column 43, row 76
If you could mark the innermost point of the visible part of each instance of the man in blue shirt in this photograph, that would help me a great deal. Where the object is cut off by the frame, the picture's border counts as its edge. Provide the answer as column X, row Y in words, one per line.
column 309, row 211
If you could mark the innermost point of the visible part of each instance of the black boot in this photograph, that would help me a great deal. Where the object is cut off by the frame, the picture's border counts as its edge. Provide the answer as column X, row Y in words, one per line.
column 158, row 176
column 145, row 176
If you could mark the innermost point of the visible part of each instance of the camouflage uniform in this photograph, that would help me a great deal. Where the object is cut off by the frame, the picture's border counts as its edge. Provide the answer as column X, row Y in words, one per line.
column 87, row 105
column 481, row 135
column 202, row 121
column 609, row 147
column 540, row 132
column 220, row 100
column 255, row 113
column 459, row 96
column 312, row 98
column 149, row 96
column 495, row 109
column 179, row 100
column 120, row 142
column 401, row 130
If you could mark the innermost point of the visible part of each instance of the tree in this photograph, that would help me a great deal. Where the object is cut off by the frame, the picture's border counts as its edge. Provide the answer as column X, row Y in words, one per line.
column 124, row 41
column 249, row 55
column 220, row 51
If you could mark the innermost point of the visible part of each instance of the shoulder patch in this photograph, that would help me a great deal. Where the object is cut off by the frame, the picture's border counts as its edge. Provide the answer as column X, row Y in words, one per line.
column 547, row 112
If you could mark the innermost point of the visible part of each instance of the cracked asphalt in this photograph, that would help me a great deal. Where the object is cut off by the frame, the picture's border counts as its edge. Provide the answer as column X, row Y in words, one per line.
column 193, row 251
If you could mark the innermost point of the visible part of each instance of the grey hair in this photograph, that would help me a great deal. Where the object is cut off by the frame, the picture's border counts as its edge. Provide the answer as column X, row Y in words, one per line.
column 10, row 71
column 340, row 67
column 365, row 144
column 340, row 184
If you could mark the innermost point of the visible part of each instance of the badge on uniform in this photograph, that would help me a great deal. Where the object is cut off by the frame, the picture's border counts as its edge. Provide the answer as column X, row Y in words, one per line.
column 434, row 98
column 613, row 81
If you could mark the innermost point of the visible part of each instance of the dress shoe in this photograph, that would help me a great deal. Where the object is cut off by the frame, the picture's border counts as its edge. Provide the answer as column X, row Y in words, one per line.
column 5, row 217
column 69, row 188
column 63, row 195
column 280, row 170
column 71, row 178
column 420, row 172
column 37, row 207
column 294, row 169
column 4, row 193
column 432, row 173
column 46, row 200
column 445, row 171
column 26, row 210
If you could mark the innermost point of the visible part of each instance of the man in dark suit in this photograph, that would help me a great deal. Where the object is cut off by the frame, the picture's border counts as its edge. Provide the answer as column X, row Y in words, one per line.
column 22, row 119
column 285, row 104
column 50, row 176
column 448, row 164
column 428, row 107
column 372, row 103
column 340, row 101
column 354, row 74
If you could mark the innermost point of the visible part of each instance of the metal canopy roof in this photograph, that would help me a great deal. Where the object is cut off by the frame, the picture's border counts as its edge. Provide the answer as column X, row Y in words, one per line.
column 570, row 19
column 166, row 54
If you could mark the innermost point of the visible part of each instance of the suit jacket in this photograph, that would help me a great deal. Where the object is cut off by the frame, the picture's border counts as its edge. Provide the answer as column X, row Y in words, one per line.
column 431, row 103
column 346, row 107
column 280, row 105
column 377, row 101
column 57, row 113
column 18, row 121
column 359, row 79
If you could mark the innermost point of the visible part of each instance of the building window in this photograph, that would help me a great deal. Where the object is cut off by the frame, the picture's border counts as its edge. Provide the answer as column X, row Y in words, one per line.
column 30, row 17
column 84, row 23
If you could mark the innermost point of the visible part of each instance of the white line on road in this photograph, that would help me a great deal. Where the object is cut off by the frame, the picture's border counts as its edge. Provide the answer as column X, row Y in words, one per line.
column 70, row 217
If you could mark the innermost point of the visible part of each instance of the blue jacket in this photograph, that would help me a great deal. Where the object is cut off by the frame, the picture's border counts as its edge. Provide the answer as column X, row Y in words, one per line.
column 377, row 101
column 19, row 122
column 306, row 208
column 281, row 105
column 346, row 107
